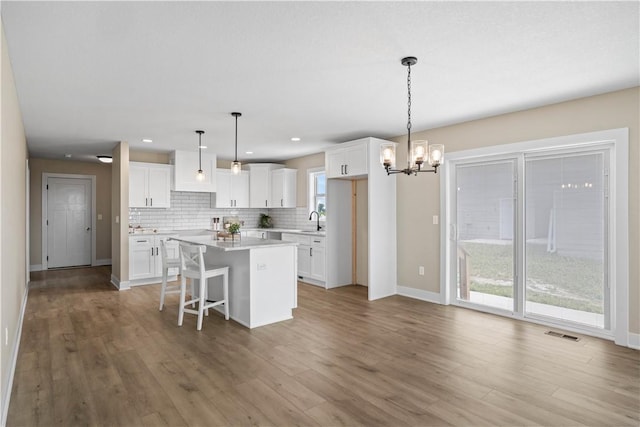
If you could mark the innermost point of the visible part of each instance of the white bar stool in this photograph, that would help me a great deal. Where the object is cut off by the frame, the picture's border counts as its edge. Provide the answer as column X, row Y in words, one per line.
column 168, row 263
column 193, row 267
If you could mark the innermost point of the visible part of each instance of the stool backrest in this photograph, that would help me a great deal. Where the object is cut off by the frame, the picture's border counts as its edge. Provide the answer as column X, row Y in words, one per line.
column 192, row 257
column 163, row 252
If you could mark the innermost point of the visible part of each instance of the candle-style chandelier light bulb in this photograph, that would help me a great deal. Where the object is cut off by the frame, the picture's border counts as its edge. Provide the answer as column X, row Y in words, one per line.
column 236, row 166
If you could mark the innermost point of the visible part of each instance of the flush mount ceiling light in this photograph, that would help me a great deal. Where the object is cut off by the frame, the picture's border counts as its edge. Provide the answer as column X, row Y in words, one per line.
column 295, row 139
column 236, row 166
column 416, row 150
column 200, row 175
column 105, row 159
column 147, row 140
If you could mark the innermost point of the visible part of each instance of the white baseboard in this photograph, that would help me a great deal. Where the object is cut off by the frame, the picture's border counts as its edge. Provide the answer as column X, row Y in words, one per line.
column 6, row 388
column 121, row 286
column 634, row 341
column 35, row 267
column 105, row 261
column 420, row 294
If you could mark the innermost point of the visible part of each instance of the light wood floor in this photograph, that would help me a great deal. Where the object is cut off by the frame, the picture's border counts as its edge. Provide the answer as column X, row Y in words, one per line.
column 91, row 355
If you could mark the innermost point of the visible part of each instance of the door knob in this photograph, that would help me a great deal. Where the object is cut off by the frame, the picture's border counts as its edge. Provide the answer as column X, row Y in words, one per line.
column 88, row 228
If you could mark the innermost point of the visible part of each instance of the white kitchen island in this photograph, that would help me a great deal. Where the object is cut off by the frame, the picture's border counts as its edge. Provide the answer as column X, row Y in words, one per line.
column 262, row 277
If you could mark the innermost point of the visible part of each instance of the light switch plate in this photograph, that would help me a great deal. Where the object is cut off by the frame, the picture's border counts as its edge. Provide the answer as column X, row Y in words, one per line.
column 435, row 220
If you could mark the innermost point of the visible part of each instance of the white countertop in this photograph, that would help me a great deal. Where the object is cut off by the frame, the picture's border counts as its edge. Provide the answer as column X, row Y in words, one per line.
column 239, row 244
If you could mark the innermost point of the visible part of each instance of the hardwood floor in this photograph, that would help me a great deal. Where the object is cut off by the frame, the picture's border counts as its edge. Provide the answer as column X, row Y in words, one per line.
column 91, row 355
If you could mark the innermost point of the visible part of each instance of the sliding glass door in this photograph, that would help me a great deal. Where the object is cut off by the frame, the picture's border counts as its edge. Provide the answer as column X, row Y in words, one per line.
column 529, row 236
column 485, row 233
column 566, row 245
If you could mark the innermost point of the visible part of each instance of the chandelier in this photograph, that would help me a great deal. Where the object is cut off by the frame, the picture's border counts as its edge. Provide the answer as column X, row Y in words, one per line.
column 418, row 152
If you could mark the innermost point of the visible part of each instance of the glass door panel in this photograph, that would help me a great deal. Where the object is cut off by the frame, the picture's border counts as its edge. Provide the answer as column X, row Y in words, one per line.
column 566, row 249
column 485, row 233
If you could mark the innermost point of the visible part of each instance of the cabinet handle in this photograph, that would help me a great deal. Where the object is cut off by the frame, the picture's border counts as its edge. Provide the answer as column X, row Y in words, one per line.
column 151, row 201
column 346, row 171
column 157, row 251
column 310, row 251
column 265, row 203
column 146, row 202
column 341, row 169
column 281, row 202
column 151, row 251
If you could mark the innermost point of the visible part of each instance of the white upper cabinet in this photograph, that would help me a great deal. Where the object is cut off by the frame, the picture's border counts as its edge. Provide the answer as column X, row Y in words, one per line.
column 283, row 188
column 260, row 184
column 149, row 185
column 185, row 169
column 232, row 190
column 347, row 160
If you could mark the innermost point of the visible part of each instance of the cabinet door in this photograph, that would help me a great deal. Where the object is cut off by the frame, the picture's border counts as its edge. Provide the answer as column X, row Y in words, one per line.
column 355, row 159
column 223, row 188
column 159, row 187
column 334, row 163
column 304, row 260
column 318, row 263
column 277, row 188
column 259, row 185
column 141, row 258
column 240, row 190
column 289, row 189
column 138, row 183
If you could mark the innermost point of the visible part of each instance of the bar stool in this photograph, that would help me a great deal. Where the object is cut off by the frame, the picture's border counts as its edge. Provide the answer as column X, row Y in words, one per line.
column 168, row 263
column 193, row 267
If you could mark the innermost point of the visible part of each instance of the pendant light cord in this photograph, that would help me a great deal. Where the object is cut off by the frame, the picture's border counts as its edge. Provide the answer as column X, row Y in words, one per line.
column 236, row 158
column 200, row 151
column 409, row 115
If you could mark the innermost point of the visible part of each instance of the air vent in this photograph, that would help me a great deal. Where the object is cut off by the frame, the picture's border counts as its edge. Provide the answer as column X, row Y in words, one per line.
column 561, row 335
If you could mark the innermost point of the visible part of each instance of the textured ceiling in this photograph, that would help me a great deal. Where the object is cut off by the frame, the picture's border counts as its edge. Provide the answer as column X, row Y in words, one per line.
column 90, row 74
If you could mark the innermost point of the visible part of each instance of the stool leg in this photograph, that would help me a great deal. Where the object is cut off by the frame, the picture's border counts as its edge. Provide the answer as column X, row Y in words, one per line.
column 164, row 287
column 202, row 302
column 193, row 294
column 183, row 291
column 226, row 295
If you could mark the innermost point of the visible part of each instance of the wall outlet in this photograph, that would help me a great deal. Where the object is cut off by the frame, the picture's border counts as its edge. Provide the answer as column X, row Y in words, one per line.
column 99, row 217
column 262, row 267
column 117, row 219
column 435, row 220
column 421, row 270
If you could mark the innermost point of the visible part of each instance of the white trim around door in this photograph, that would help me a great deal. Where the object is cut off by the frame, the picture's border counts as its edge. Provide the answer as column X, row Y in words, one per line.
column 45, row 178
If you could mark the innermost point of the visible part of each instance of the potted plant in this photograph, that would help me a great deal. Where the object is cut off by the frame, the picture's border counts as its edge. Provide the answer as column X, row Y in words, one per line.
column 234, row 229
column 265, row 221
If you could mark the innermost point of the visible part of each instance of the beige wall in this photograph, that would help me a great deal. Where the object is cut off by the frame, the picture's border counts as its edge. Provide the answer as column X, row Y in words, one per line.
column 120, row 213
column 101, row 171
column 302, row 164
column 13, row 218
column 419, row 197
column 148, row 157
column 362, row 232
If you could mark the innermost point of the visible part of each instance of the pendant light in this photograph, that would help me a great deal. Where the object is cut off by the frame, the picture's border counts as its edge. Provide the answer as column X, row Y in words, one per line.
column 200, row 175
column 236, row 166
column 417, row 151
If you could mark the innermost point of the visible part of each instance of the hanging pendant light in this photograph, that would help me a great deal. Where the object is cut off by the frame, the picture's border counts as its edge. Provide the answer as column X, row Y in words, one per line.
column 418, row 152
column 236, row 166
column 200, row 176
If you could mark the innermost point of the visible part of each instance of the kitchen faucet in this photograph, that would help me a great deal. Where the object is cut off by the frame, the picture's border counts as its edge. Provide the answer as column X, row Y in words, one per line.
column 317, row 218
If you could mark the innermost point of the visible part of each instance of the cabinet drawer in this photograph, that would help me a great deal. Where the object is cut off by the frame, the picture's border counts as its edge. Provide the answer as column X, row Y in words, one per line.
column 317, row 241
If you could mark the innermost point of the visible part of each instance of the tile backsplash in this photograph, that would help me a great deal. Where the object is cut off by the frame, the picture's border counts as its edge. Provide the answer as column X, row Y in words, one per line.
column 190, row 210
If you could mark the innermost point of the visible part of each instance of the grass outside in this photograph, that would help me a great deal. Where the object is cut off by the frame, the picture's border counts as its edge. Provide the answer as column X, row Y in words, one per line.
column 552, row 279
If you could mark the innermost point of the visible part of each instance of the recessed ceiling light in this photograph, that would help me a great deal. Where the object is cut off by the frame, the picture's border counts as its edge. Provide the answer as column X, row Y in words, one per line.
column 105, row 159
column 295, row 139
column 147, row 140
column 203, row 147
column 68, row 156
column 248, row 152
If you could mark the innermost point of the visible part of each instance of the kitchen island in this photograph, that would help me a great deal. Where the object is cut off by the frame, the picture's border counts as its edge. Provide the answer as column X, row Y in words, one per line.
column 262, row 277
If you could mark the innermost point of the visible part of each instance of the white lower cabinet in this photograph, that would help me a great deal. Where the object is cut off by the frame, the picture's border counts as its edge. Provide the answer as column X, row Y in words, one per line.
column 311, row 257
column 145, row 258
